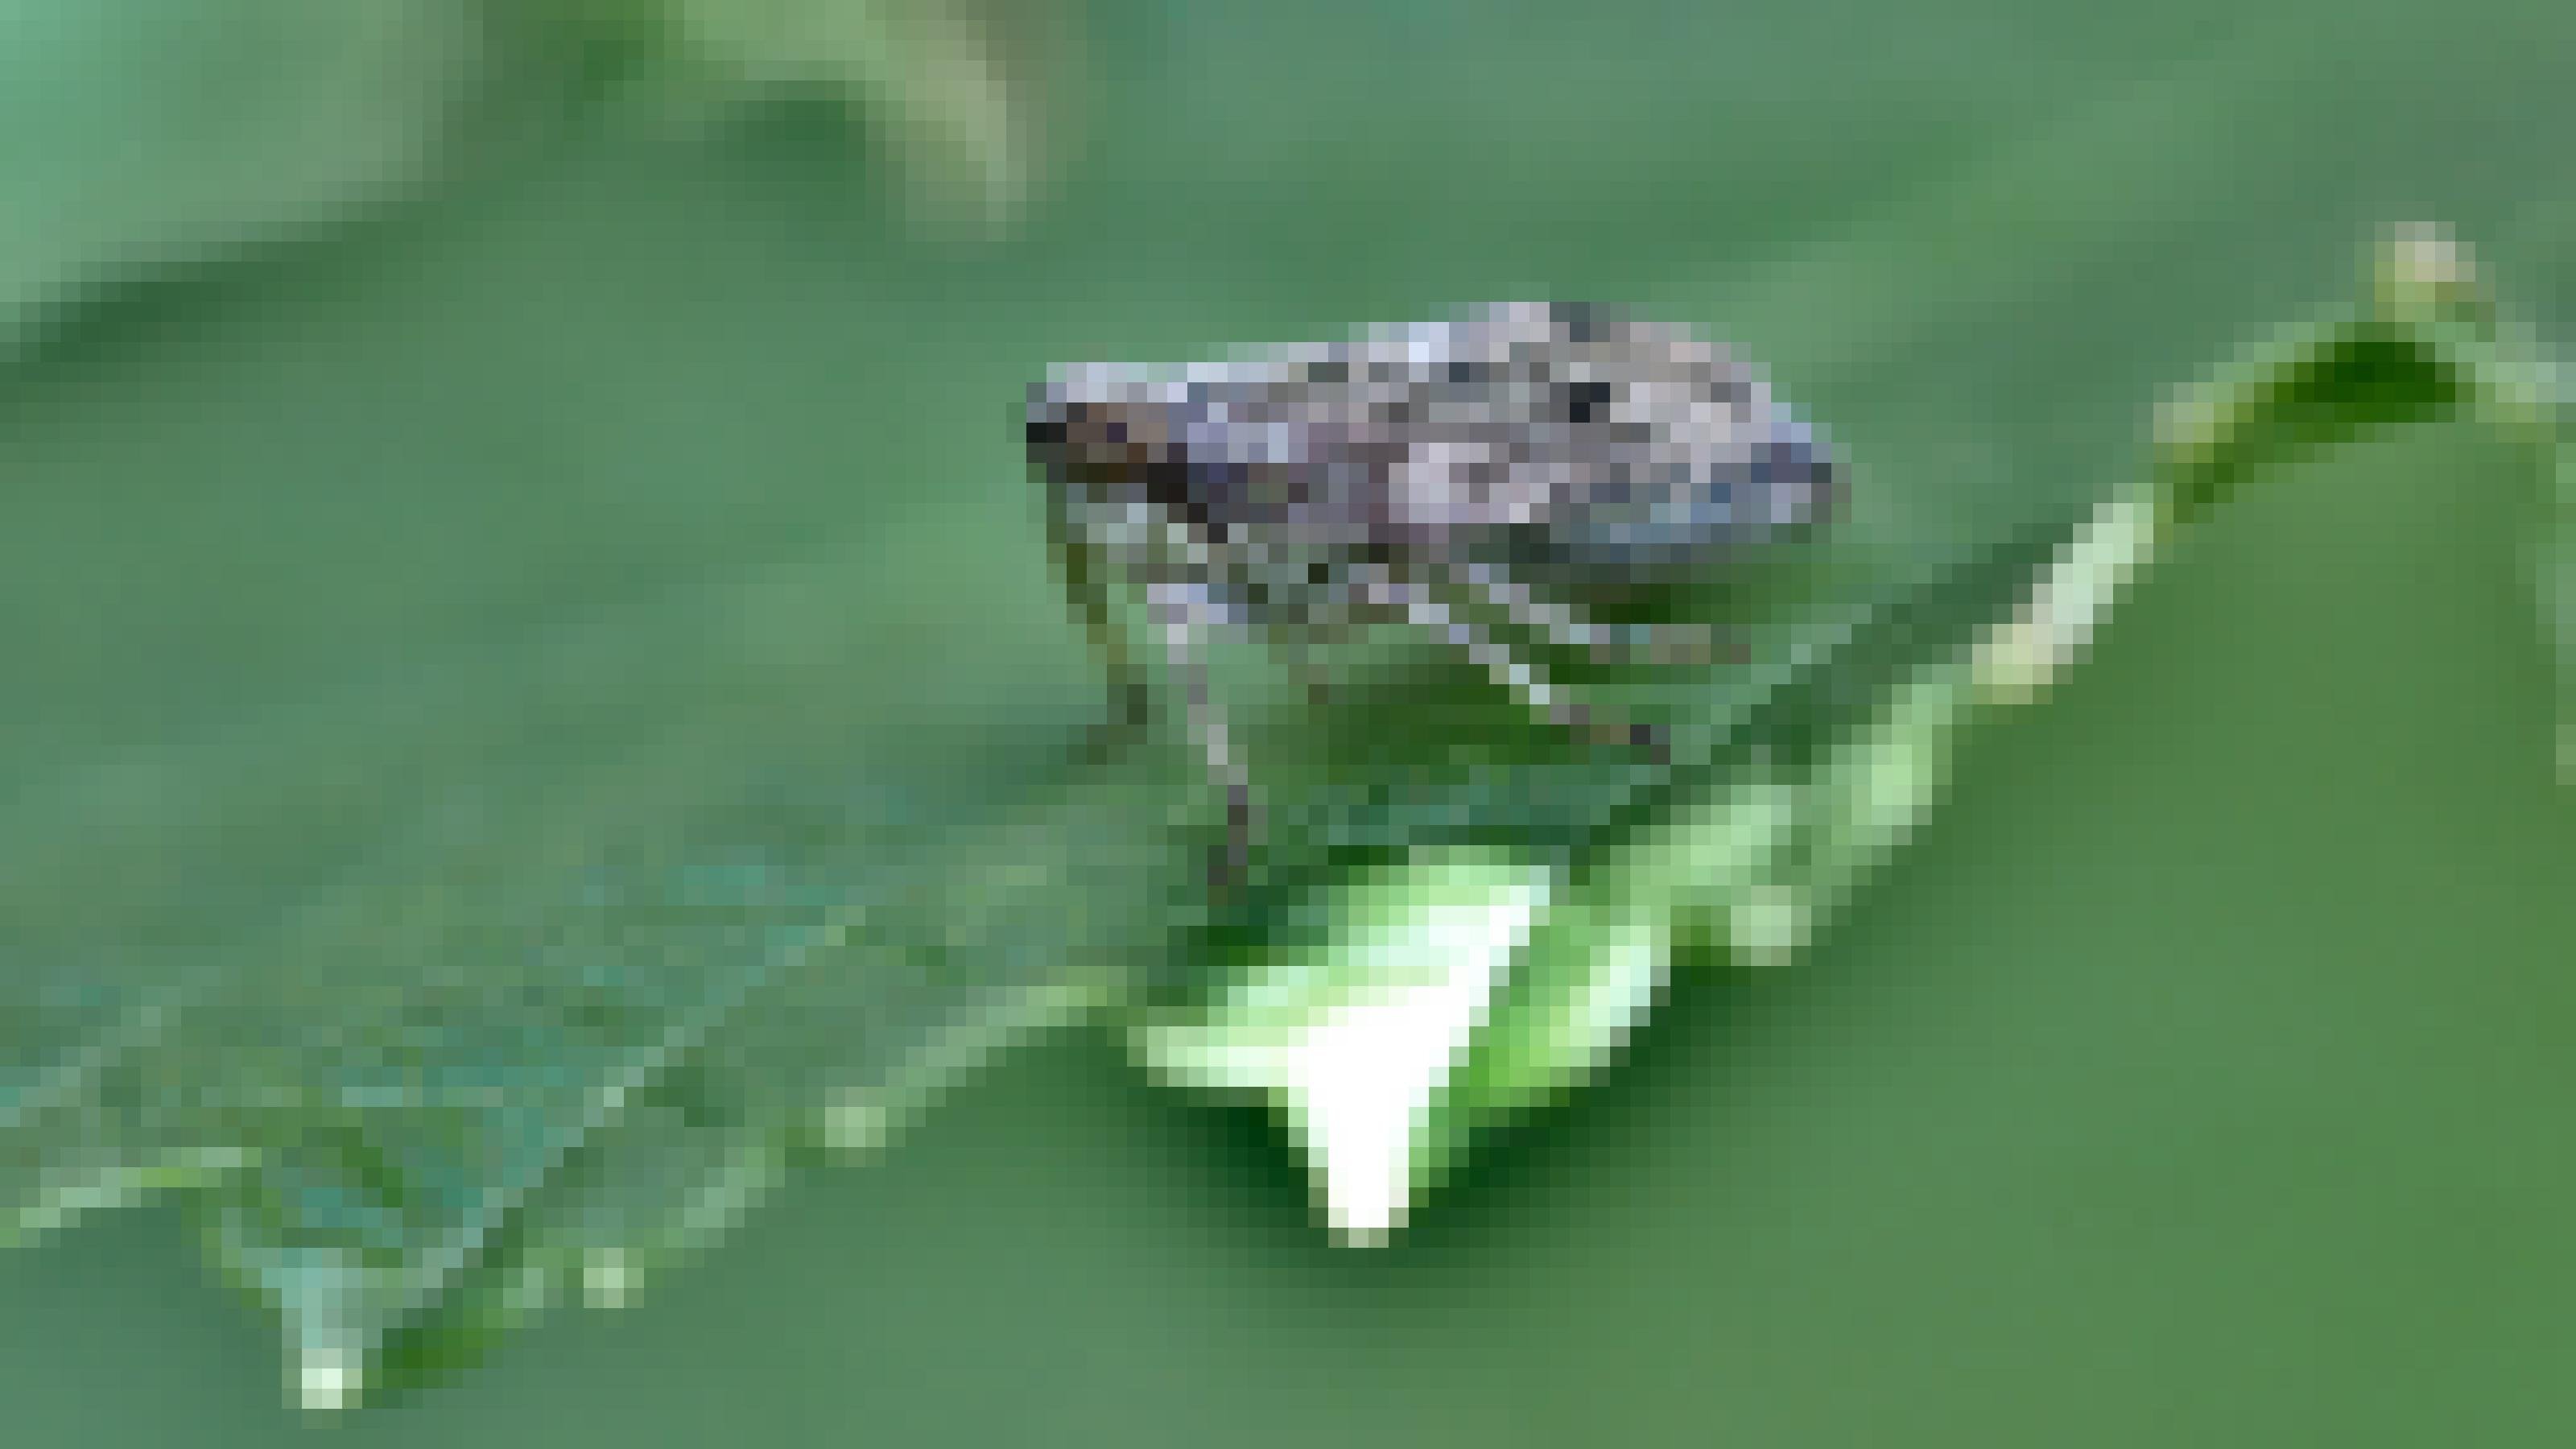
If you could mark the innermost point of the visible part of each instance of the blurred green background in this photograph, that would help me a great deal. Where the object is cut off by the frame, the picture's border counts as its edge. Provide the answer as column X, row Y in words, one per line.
column 2200, row 1076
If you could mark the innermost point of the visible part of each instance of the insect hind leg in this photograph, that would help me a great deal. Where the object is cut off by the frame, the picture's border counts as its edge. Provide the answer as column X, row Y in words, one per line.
column 1672, row 644
column 1421, row 609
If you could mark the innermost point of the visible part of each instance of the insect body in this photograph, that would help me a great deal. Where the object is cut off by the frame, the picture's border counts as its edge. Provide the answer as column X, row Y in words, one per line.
column 1520, row 464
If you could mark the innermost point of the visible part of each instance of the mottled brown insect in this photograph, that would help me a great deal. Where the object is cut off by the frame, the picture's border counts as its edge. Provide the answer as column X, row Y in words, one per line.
column 1519, row 468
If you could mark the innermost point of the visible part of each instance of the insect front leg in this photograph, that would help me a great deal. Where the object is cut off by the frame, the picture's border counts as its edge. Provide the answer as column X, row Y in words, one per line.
column 1080, row 562
column 1181, row 613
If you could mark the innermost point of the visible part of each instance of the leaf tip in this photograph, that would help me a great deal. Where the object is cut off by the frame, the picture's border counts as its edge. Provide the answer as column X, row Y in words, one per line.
column 2424, row 271
column 326, row 1381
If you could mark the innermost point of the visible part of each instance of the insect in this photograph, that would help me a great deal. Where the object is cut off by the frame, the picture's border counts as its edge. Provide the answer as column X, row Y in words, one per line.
column 1513, row 469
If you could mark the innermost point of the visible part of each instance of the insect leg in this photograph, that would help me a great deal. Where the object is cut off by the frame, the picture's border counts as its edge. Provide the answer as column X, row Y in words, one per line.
column 1420, row 608
column 1180, row 614
column 1089, row 594
column 1667, row 644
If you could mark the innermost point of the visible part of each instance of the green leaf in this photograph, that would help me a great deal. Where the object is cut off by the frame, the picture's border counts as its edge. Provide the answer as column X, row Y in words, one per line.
column 466, row 978
column 2428, row 342
column 497, row 980
column 1357, row 1034
column 460, row 1160
column 1813, row 770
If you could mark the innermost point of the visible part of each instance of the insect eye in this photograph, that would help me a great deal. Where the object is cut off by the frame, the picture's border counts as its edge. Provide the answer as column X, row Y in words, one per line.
column 1458, row 371
column 1587, row 402
column 1178, row 487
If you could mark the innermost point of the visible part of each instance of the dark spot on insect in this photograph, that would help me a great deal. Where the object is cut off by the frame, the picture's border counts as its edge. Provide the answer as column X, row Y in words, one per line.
column 1169, row 486
column 1459, row 372
column 1586, row 402
column 1792, row 458
column 1583, row 322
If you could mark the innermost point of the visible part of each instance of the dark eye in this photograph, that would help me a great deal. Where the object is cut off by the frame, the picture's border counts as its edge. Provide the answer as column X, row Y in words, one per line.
column 1459, row 372
column 1587, row 402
